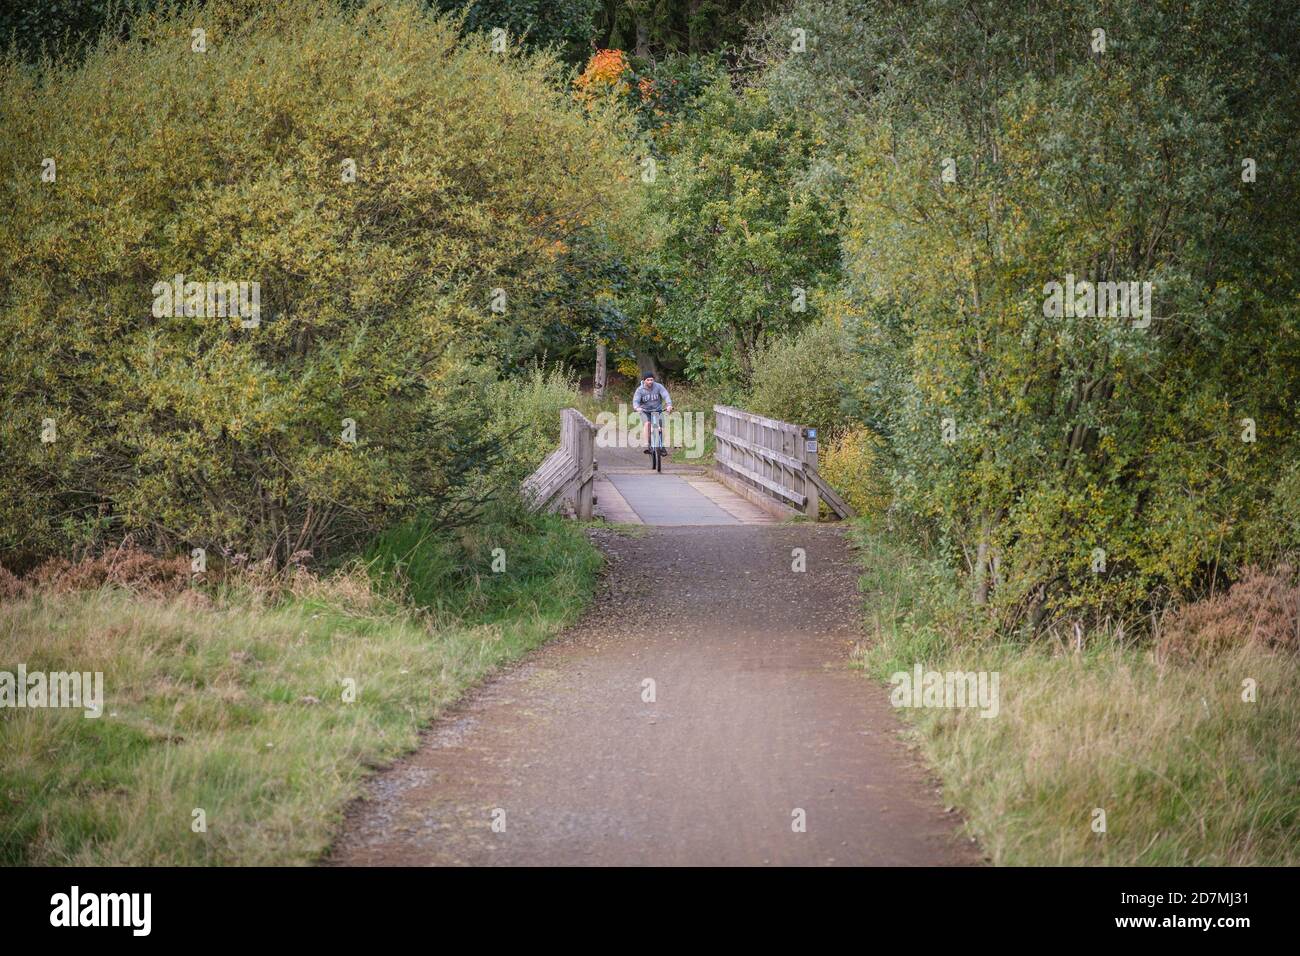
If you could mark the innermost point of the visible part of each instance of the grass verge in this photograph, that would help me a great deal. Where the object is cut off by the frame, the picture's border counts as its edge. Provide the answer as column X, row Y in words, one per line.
column 1187, row 772
column 236, row 707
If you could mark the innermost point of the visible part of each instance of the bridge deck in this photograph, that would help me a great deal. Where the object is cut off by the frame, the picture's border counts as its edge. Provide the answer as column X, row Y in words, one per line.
column 628, row 492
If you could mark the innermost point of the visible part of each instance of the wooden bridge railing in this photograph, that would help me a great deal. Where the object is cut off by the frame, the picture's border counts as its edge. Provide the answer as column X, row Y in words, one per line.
column 565, row 478
column 771, row 461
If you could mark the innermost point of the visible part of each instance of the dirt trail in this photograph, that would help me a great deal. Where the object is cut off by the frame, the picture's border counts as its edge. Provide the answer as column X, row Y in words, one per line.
column 756, row 715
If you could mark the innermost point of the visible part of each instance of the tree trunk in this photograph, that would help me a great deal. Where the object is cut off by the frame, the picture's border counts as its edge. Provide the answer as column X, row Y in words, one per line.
column 980, row 590
column 646, row 364
column 598, row 386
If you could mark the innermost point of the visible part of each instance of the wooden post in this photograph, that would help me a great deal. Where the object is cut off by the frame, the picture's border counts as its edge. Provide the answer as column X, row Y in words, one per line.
column 813, row 505
column 567, row 430
column 598, row 385
column 585, row 452
column 788, row 443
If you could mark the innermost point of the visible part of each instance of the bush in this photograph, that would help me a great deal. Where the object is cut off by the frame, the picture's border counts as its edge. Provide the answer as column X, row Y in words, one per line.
column 1081, row 461
column 803, row 377
column 64, row 27
column 853, row 463
column 525, row 415
column 472, row 168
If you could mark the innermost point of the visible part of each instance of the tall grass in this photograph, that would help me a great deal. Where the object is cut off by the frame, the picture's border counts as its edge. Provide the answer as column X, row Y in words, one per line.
column 452, row 576
column 1187, row 772
column 526, row 410
column 236, row 707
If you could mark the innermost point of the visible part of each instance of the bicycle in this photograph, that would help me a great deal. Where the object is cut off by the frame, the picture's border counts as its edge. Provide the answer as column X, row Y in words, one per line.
column 657, row 449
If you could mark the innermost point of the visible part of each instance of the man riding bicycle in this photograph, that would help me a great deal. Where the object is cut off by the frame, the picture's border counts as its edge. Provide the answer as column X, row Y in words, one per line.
column 650, row 397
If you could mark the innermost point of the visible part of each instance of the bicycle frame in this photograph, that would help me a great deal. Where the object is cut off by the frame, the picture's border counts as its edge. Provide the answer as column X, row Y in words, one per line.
column 657, row 446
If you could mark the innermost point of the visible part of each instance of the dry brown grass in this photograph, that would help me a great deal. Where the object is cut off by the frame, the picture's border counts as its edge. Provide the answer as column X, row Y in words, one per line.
column 349, row 587
column 11, row 586
column 125, row 566
column 1262, row 609
column 131, row 568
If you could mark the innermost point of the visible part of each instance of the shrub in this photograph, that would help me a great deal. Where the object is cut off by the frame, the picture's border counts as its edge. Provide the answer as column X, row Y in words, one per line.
column 802, row 378
column 1080, row 460
column 525, row 415
column 471, row 170
column 853, row 463
column 64, row 27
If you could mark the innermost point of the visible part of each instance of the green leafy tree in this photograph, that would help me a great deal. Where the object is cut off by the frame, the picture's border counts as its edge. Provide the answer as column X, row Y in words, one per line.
column 744, row 241
column 566, row 26
column 378, row 176
column 1094, row 461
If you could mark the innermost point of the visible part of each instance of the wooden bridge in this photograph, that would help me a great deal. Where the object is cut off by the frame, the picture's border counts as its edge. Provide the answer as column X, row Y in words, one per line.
column 764, row 470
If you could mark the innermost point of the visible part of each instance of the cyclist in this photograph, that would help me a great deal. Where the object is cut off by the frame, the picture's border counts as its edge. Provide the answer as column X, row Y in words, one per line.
column 650, row 397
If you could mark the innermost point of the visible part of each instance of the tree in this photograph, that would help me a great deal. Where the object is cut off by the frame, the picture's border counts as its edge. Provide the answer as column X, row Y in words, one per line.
column 654, row 29
column 1081, row 458
column 405, row 201
column 745, row 242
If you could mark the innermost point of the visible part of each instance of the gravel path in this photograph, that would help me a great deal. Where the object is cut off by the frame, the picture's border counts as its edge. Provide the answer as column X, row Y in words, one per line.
column 756, row 722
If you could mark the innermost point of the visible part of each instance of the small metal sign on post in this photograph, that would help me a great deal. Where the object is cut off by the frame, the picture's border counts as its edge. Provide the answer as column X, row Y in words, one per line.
column 810, row 440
